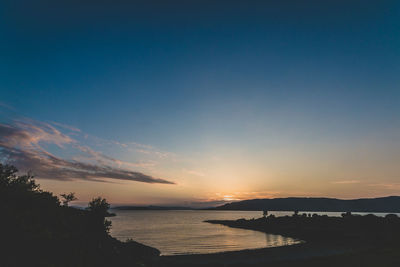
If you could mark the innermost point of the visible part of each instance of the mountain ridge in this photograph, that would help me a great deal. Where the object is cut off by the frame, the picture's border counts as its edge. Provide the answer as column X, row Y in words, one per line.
column 380, row 204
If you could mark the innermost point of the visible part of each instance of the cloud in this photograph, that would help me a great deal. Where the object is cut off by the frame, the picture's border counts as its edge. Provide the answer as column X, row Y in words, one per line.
column 146, row 149
column 22, row 144
column 65, row 126
column 346, row 182
column 194, row 172
column 388, row 186
column 159, row 154
column 104, row 159
column 28, row 135
column 4, row 105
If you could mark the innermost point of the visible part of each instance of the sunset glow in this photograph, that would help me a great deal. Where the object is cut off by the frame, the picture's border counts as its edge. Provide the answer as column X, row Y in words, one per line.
column 195, row 105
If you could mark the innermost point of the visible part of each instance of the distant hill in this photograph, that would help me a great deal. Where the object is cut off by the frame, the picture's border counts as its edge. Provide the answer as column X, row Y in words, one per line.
column 383, row 204
column 150, row 208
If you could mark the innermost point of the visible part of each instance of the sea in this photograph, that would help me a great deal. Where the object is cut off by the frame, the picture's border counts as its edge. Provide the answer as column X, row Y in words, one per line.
column 180, row 232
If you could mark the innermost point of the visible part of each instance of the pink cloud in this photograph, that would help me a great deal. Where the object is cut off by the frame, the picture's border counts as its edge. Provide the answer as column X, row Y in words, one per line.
column 21, row 144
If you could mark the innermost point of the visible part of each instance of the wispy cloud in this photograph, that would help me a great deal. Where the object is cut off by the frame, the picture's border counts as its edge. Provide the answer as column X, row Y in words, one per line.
column 388, row 186
column 104, row 159
column 65, row 126
column 4, row 105
column 194, row 172
column 346, row 182
column 23, row 142
column 159, row 154
column 145, row 149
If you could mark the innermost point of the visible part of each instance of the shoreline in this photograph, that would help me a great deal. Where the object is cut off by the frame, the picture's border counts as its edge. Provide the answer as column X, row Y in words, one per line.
column 297, row 253
column 233, row 251
column 323, row 243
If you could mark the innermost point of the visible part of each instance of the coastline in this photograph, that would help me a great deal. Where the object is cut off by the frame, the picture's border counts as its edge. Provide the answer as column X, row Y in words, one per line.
column 323, row 248
column 295, row 252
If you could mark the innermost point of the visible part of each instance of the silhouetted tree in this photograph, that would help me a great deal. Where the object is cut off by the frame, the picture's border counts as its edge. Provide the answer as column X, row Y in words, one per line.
column 21, row 191
column 66, row 198
column 99, row 209
column 9, row 179
column 99, row 206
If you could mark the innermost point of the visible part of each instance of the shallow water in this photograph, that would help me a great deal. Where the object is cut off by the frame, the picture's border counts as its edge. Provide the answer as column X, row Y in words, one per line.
column 185, row 232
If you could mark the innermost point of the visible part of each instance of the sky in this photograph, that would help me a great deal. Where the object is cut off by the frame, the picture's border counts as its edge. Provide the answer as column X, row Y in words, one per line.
column 202, row 102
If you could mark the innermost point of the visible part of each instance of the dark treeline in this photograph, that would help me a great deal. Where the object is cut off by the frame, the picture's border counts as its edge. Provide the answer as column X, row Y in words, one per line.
column 350, row 240
column 367, row 229
column 37, row 230
column 384, row 204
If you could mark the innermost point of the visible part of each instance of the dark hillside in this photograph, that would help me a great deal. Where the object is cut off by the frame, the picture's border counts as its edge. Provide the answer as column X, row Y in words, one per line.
column 36, row 230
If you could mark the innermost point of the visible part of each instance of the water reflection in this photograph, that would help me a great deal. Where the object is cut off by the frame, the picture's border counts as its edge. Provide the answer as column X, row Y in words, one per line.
column 184, row 232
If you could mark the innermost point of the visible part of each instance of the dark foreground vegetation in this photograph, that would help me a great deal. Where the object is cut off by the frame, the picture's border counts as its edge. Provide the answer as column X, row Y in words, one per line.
column 37, row 230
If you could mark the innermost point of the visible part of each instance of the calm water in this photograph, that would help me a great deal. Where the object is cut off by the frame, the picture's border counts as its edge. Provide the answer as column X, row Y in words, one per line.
column 184, row 232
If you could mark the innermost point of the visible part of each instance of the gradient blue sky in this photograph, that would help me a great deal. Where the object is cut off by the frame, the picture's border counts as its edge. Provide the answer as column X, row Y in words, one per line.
column 233, row 99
